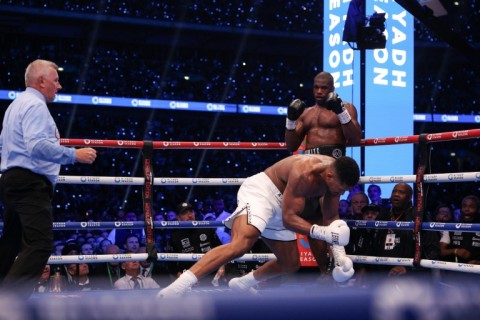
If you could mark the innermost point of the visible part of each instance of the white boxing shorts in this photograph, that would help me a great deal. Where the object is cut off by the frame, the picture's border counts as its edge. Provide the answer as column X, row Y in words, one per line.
column 261, row 201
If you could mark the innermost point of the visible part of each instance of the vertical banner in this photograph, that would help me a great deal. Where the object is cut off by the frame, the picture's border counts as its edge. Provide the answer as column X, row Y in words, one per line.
column 340, row 60
column 389, row 94
column 306, row 256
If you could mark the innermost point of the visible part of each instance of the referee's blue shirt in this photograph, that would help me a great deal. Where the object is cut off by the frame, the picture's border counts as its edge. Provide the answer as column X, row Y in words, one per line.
column 30, row 138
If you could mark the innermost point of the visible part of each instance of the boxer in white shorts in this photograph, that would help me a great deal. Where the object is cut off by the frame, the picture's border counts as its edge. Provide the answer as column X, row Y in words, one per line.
column 261, row 201
column 269, row 205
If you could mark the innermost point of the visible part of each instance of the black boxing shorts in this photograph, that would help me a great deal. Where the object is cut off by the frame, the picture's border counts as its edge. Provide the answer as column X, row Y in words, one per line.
column 336, row 151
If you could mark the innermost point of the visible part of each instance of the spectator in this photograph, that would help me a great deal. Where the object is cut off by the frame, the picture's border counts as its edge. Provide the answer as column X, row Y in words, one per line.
column 344, row 209
column 156, row 270
column 117, row 236
column 220, row 214
column 401, row 243
column 133, row 279
column 43, row 282
column 375, row 194
column 357, row 202
column 362, row 242
column 132, row 243
column 192, row 240
column 108, row 272
column 463, row 247
column 103, row 245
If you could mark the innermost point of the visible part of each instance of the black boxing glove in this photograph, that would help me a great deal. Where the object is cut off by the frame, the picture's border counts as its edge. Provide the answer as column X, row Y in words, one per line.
column 335, row 104
column 294, row 110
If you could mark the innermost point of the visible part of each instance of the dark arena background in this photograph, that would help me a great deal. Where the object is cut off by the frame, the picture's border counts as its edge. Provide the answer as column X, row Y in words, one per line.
column 254, row 53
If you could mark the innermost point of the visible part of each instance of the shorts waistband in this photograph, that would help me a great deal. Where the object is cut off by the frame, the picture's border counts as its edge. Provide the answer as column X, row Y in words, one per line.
column 270, row 185
column 335, row 151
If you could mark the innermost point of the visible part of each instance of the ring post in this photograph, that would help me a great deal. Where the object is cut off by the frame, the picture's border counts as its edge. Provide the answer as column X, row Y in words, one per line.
column 419, row 204
column 147, row 192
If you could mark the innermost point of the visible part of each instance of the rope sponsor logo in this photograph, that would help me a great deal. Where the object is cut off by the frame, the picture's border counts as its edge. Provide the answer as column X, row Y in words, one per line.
column 89, row 179
column 381, row 259
column 196, row 256
column 463, row 225
column 396, row 179
column 61, row 179
column 260, row 257
column 434, row 136
column 122, row 256
column 169, row 180
column 430, row 177
column 466, row 265
column 200, row 223
column 90, row 224
column 437, row 262
column 127, row 180
column 360, row 223
column 169, row 256
column 401, row 139
column 381, row 223
column 402, row 260
column 477, row 119
column 171, row 143
column 126, row 143
column 59, row 225
column 402, row 224
column 437, row 224
column 170, row 223
column 94, row 141
column 375, row 179
column 231, row 144
column 202, row 180
column 360, row 258
column 226, row 180
column 198, row 144
column 379, row 141
column 88, row 257
column 460, row 134
column 455, row 176
column 124, row 224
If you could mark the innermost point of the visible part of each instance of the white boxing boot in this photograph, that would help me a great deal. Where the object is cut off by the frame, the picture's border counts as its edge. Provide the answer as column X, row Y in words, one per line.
column 179, row 287
column 244, row 284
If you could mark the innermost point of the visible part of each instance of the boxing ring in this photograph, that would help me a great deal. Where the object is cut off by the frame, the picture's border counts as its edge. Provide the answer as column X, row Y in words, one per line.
column 393, row 298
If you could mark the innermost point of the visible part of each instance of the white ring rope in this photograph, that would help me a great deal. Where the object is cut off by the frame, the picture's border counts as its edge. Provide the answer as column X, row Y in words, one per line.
column 169, row 181
column 260, row 257
column 361, row 224
column 98, row 258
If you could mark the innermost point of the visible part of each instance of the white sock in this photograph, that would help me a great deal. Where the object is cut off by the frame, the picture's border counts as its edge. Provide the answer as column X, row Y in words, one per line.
column 184, row 282
column 249, row 280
